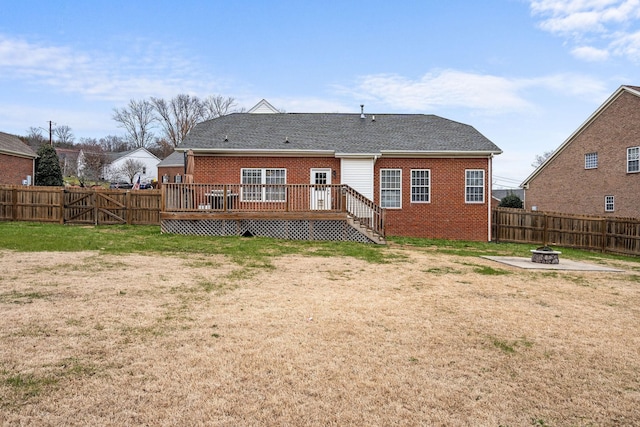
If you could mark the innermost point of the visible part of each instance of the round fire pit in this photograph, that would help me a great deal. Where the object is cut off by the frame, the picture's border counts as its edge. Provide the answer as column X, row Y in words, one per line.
column 545, row 255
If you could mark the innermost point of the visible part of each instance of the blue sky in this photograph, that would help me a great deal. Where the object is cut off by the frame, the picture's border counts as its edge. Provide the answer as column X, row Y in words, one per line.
column 525, row 73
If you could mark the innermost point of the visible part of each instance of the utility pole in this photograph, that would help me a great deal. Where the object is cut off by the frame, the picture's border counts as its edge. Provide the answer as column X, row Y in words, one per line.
column 50, row 133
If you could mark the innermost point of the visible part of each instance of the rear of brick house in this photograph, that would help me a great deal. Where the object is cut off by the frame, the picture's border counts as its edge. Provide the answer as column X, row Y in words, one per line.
column 17, row 161
column 596, row 171
column 431, row 175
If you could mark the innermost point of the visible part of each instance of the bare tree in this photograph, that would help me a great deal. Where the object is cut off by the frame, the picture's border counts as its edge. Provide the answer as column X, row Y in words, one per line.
column 178, row 116
column 35, row 138
column 540, row 159
column 130, row 168
column 138, row 120
column 217, row 105
column 113, row 143
column 91, row 161
column 63, row 135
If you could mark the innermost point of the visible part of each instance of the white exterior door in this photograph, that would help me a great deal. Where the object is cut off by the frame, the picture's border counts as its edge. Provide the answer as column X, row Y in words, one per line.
column 320, row 196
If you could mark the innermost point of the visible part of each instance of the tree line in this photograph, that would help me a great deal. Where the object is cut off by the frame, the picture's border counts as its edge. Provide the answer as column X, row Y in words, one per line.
column 156, row 124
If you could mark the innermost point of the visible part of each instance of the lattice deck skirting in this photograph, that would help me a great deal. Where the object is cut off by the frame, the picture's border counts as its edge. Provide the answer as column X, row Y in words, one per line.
column 276, row 228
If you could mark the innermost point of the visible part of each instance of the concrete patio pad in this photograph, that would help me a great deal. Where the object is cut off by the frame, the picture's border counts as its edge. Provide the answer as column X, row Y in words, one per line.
column 565, row 264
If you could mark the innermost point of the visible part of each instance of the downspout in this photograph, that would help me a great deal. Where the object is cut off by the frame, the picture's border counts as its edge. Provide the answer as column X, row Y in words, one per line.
column 490, row 198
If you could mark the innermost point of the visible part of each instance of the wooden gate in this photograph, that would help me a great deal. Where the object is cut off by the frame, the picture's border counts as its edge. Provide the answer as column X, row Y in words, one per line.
column 85, row 206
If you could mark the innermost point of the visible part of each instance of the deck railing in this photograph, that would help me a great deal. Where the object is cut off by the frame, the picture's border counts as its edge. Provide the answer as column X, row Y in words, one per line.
column 232, row 198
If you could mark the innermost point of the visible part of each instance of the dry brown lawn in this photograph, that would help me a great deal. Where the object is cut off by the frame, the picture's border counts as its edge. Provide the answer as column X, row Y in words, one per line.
column 88, row 339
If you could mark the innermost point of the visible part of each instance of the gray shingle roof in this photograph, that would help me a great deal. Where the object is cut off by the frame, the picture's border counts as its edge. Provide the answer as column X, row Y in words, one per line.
column 340, row 133
column 174, row 159
column 11, row 144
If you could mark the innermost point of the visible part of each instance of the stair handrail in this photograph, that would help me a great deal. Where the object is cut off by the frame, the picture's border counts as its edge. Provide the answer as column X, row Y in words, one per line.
column 364, row 210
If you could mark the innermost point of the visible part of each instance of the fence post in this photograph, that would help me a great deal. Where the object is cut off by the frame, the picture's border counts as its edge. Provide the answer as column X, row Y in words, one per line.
column 544, row 230
column 127, row 207
column 62, row 210
column 604, row 234
column 14, row 204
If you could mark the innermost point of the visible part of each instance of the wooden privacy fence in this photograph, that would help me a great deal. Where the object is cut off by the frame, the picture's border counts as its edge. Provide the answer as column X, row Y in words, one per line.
column 604, row 234
column 79, row 205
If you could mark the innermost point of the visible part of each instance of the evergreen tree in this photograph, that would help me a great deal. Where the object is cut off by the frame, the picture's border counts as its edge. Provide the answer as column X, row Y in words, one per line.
column 511, row 201
column 48, row 170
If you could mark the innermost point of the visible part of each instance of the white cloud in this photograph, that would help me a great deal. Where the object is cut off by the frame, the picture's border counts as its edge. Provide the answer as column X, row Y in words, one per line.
column 145, row 69
column 591, row 54
column 480, row 93
column 599, row 27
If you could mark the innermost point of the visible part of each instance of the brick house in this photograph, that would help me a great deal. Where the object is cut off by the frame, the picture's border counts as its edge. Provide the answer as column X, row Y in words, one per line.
column 431, row 175
column 596, row 171
column 17, row 161
column 171, row 168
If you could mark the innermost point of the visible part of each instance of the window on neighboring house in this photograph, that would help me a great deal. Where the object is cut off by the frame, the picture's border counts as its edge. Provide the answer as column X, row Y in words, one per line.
column 391, row 188
column 420, row 185
column 178, row 179
column 633, row 159
column 264, row 185
column 474, row 186
column 591, row 160
column 609, row 204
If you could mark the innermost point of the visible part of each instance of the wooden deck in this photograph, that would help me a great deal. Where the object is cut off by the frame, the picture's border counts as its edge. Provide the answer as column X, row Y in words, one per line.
column 256, row 205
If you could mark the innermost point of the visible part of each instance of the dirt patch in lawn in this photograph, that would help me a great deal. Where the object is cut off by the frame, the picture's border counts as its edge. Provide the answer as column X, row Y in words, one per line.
column 430, row 339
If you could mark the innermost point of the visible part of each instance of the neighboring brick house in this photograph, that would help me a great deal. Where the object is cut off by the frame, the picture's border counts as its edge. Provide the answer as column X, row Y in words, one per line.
column 171, row 168
column 596, row 171
column 17, row 161
column 432, row 175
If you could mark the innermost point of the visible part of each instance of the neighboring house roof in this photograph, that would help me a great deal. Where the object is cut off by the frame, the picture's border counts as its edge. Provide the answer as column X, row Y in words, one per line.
column 11, row 144
column 502, row 193
column 172, row 160
column 634, row 90
column 263, row 107
column 379, row 134
column 111, row 157
column 68, row 153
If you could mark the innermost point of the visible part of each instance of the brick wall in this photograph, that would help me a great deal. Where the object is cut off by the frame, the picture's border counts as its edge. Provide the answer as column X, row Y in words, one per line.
column 171, row 172
column 565, row 186
column 14, row 169
column 446, row 216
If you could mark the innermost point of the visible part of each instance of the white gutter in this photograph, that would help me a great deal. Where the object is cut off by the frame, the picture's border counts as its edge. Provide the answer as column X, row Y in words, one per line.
column 265, row 152
column 440, row 154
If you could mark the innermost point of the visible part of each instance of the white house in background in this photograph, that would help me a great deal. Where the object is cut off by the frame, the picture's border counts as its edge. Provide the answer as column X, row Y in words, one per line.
column 116, row 163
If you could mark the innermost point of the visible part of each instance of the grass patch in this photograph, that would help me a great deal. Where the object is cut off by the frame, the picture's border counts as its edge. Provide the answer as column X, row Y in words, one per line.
column 14, row 297
column 489, row 271
column 28, row 385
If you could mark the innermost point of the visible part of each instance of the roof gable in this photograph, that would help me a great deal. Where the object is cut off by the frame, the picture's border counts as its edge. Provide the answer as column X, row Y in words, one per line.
column 336, row 133
column 11, row 144
column 263, row 107
column 633, row 90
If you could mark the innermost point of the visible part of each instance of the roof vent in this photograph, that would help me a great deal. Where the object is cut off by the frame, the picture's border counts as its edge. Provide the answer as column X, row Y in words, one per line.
column 373, row 118
column 226, row 138
column 286, row 140
column 362, row 111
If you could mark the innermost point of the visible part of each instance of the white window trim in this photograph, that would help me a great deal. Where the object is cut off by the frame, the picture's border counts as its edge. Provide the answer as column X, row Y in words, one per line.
column 607, row 203
column 629, row 160
column 593, row 164
column 400, row 189
column 427, row 186
column 263, row 182
column 484, row 184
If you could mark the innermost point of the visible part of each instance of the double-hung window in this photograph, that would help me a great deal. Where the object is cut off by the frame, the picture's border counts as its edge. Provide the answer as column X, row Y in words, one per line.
column 633, row 159
column 474, row 186
column 609, row 204
column 391, row 188
column 420, row 186
column 591, row 160
column 264, row 185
